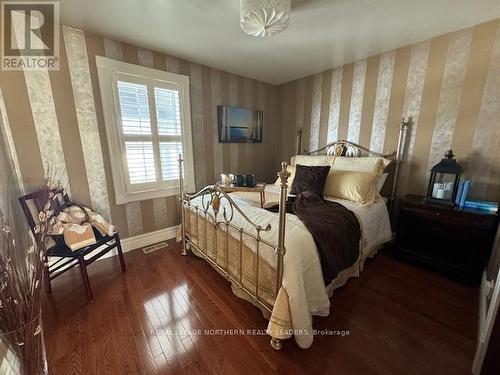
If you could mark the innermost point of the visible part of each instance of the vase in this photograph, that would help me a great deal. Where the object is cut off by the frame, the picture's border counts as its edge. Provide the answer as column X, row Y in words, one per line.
column 22, row 351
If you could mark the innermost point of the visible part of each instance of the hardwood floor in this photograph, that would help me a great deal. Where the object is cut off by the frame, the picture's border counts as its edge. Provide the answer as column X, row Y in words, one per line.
column 401, row 320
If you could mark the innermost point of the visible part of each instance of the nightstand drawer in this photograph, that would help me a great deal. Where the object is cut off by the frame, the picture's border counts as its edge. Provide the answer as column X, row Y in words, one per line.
column 435, row 238
column 436, row 216
column 451, row 216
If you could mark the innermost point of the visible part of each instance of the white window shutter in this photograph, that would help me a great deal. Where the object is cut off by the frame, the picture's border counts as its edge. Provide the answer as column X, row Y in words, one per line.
column 140, row 162
column 169, row 154
column 134, row 108
column 169, row 131
column 148, row 124
column 168, row 112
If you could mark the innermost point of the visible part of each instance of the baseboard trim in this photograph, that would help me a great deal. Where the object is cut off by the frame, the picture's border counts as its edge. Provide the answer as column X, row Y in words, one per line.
column 143, row 240
column 150, row 238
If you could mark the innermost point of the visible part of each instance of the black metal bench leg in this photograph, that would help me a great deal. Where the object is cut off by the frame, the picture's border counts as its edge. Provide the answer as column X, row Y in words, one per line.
column 120, row 252
column 85, row 277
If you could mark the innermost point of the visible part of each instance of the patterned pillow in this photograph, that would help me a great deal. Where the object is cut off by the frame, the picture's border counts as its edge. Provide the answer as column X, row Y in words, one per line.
column 309, row 178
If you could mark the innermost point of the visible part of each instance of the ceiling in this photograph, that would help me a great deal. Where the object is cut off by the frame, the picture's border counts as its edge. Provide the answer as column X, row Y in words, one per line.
column 322, row 33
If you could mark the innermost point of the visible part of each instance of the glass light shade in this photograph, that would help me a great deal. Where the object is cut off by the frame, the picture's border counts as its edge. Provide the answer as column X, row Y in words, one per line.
column 443, row 186
column 264, row 18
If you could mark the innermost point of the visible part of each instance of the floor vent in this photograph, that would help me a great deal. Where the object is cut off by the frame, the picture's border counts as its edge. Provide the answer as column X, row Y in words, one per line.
column 156, row 246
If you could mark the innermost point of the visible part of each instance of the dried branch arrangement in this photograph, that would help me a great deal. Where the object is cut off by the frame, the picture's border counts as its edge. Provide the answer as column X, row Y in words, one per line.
column 22, row 262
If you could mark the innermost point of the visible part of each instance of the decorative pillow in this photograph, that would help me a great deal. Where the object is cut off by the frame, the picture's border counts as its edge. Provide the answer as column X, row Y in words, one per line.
column 370, row 164
column 291, row 170
column 354, row 186
column 309, row 178
column 313, row 160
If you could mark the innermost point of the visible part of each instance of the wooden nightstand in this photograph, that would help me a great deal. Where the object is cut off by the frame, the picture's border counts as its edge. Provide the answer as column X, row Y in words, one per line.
column 452, row 241
column 260, row 188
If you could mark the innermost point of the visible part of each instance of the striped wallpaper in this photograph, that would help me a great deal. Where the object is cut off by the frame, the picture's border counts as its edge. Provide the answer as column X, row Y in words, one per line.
column 56, row 120
column 449, row 85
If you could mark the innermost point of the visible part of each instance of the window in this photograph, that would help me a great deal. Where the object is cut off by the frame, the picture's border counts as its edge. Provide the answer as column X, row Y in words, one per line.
column 148, row 124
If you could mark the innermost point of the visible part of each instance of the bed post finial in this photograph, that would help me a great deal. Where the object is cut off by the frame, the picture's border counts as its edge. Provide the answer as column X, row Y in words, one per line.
column 181, row 200
column 283, row 174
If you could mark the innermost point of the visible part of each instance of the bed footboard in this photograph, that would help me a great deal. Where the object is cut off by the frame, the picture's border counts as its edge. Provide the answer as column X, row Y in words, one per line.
column 209, row 230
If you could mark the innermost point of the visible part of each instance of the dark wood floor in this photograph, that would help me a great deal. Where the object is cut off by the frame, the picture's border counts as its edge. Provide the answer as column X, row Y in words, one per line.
column 401, row 320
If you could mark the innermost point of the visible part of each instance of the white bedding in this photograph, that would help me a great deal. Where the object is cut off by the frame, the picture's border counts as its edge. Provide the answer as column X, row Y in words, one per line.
column 302, row 275
column 374, row 220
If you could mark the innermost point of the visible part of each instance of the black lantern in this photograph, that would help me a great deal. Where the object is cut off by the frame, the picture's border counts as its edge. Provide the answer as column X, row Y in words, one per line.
column 443, row 184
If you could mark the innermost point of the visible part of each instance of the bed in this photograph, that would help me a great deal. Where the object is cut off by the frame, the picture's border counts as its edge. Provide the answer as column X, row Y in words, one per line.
column 271, row 259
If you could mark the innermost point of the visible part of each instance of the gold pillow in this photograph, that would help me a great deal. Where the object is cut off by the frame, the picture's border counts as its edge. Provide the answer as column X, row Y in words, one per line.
column 370, row 164
column 291, row 170
column 358, row 187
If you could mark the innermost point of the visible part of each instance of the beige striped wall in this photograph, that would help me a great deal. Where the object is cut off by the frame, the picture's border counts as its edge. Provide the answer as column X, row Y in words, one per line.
column 56, row 120
column 449, row 85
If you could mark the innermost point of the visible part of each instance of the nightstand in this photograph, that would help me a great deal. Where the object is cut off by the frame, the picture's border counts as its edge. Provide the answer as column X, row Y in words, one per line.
column 260, row 188
column 452, row 241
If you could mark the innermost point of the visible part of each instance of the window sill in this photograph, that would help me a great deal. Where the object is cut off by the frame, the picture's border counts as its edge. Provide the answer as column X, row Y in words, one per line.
column 147, row 194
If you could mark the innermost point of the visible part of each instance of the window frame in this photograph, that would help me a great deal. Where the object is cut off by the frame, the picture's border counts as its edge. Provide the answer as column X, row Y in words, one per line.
column 109, row 72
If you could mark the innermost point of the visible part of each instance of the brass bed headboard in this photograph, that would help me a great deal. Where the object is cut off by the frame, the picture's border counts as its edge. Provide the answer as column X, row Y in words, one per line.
column 351, row 149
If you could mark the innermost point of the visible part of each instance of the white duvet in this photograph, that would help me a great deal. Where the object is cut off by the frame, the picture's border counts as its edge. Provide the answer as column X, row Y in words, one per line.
column 302, row 275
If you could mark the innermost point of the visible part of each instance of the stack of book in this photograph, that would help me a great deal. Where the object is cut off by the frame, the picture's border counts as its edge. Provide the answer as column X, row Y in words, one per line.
column 462, row 201
column 482, row 205
column 462, row 192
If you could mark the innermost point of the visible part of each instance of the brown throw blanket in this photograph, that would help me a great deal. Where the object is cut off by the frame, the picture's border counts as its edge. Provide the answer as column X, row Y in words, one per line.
column 335, row 230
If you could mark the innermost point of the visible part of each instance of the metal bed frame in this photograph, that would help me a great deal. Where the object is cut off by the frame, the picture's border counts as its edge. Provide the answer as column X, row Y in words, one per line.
column 211, row 198
column 209, row 210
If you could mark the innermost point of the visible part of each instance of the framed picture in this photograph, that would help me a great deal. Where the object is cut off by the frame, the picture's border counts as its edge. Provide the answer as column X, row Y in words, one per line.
column 239, row 125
